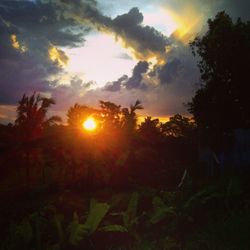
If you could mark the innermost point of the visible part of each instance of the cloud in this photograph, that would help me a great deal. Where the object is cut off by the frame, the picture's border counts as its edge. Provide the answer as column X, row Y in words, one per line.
column 169, row 71
column 21, row 71
column 67, row 94
column 58, row 56
column 124, row 56
column 7, row 113
column 235, row 9
column 34, row 33
column 30, row 34
column 40, row 21
column 116, row 85
column 163, row 89
column 161, row 100
column 144, row 41
column 136, row 80
column 23, row 75
column 133, row 82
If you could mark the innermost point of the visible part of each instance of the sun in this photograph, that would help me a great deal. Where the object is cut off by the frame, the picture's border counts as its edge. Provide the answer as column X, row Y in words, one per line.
column 89, row 124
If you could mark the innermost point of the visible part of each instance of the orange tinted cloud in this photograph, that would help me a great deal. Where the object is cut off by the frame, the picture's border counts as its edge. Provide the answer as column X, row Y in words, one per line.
column 16, row 44
column 58, row 56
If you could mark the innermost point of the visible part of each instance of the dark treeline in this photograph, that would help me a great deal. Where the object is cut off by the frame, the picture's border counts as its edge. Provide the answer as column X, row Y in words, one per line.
column 41, row 151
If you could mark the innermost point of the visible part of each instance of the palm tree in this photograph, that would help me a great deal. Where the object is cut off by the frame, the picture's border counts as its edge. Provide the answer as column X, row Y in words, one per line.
column 110, row 115
column 30, row 123
column 129, row 116
column 77, row 114
column 150, row 129
column 31, row 116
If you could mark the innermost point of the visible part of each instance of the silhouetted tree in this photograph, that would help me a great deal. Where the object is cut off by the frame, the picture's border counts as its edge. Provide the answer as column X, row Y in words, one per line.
column 150, row 129
column 178, row 126
column 110, row 115
column 78, row 113
column 223, row 101
column 76, row 144
column 129, row 116
column 31, row 122
column 31, row 116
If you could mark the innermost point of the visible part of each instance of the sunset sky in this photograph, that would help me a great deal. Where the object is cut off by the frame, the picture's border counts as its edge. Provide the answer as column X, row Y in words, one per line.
column 83, row 51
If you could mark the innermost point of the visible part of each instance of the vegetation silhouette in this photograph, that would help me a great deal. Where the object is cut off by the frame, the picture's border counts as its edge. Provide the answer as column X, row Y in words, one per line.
column 222, row 102
column 129, row 117
column 78, row 114
column 30, row 124
column 31, row 116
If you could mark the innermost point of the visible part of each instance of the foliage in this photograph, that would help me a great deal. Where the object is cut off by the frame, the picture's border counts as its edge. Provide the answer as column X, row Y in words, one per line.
column 129, row 116
column 130, row 215
column 110, row 114
column 78, row 231
column 31, row 116
column 150, row 128
column 78, row 114
column 178, row 126
column 161, row 210
column 231, row 233
column 97, row 212
column 158, row 227
column 222, row 102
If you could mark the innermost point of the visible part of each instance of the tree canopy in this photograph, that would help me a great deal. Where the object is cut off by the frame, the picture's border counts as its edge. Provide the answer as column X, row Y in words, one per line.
column 178, row 126
column 32, row 116
column 222, row 102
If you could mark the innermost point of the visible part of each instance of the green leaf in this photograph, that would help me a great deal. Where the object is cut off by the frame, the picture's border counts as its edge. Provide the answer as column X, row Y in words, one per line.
column 130, row 218
column 113, row 228
column 97, row 212
column 205, row 194
column 161, row 210
column 76, row 230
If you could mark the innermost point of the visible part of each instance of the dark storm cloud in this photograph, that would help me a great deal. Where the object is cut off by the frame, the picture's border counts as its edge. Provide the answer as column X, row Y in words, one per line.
column 164, row 89
column 236, row 9
column 133, row 82
column 40, row 25
column 20, row 72
column 40, row 20
column 116, row 85
column 22, row 76
column 169, row 71
column 145, row 41
column 27, row 31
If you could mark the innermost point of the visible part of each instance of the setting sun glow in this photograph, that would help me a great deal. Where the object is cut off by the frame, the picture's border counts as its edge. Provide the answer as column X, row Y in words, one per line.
column 89, row 124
